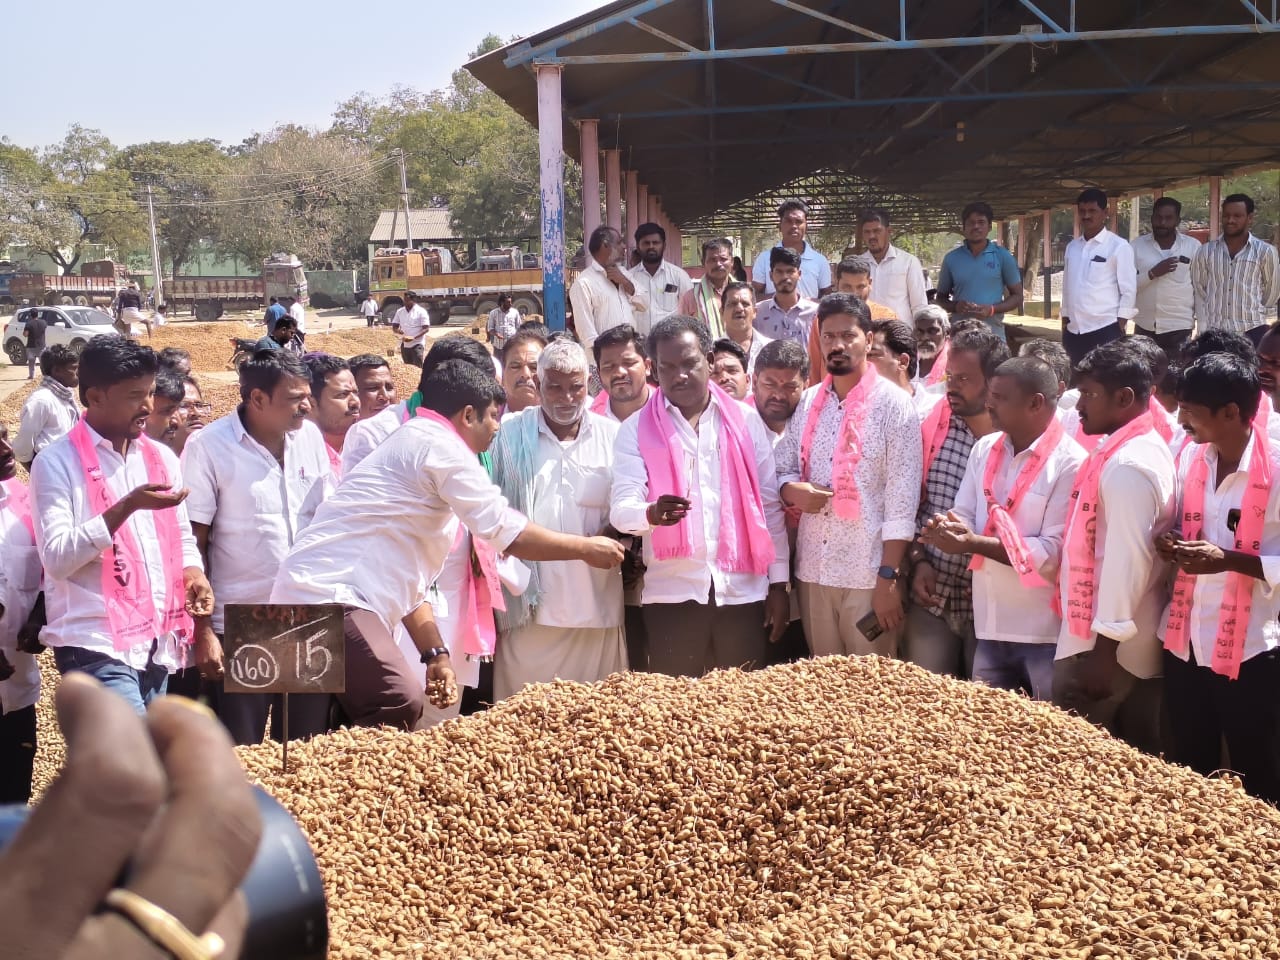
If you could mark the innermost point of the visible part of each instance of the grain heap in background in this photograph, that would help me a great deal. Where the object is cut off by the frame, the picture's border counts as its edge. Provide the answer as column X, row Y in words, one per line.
column 833, row 808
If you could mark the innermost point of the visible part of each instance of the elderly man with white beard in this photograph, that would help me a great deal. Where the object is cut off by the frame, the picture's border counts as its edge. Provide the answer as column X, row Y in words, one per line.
column 554, row 464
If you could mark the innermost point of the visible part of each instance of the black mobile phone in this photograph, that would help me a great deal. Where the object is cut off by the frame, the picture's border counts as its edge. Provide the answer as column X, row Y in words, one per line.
column 869, row 627
column 1185, row 259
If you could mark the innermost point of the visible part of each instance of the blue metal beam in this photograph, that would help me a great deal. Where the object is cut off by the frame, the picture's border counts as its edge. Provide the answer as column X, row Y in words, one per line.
column 1268, row 86
column 924, row 43
column 525, row 52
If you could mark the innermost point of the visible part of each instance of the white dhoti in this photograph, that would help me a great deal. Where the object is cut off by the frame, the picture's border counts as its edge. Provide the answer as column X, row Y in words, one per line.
column 536, row 654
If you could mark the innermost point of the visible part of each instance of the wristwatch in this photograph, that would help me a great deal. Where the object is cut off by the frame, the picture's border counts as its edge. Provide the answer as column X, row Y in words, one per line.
column 430, row 654
column 887, row 573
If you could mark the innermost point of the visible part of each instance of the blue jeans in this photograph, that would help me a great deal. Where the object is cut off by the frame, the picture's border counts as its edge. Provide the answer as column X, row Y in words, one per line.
column 1016, row 666
column 139, row 688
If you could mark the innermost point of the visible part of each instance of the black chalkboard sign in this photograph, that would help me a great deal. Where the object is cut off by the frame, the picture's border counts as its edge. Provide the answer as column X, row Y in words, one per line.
column 284, row 648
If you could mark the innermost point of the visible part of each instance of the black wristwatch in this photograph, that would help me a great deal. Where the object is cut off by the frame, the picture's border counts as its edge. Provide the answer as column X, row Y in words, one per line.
column 433, row 652
column 887, row 573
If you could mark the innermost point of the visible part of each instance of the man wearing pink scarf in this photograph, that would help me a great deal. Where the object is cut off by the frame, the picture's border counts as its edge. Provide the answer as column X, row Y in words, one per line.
column 694, row 475
column 1221, row 638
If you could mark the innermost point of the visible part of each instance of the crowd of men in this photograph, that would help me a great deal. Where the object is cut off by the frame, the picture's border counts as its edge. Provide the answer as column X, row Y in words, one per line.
column 755, row 480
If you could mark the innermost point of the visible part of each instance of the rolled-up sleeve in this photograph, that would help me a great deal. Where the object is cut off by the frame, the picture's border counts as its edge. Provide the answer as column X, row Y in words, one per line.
column 65, row 545
column 1132, row 506
column 904, row 464
column 629, row 496
column 465, row 486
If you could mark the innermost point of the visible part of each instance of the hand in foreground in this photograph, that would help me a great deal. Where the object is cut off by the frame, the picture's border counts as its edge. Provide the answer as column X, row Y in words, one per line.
column 199, row 593
column 163, row 794
column 947, row 533
column 155, row 496
column 777, row 611
column 806, row 497
column 667, row 511
column 442, row 685
column 603, row 553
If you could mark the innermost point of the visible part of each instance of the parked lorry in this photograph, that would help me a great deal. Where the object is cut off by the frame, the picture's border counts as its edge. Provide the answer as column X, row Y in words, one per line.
column 432, row 275
column 96, row 285
column 210, row 297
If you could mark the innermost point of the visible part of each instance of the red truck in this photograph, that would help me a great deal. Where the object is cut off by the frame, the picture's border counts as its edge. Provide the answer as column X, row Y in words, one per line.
column 96, row 286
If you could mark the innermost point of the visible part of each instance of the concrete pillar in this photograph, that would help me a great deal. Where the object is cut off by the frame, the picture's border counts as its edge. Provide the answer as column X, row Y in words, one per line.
column 655, row 208
column 589, row 142
column 613, row 190
column 642, row 204
column 1022, row 242
column 1135, row 211
column 675, row 243
column 1075, row 230
column 1215, row 206
column 633, row 205
column 551, row 184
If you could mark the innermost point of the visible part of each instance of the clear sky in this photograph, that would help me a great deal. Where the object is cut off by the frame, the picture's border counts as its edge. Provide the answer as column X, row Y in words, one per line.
column 166, row 70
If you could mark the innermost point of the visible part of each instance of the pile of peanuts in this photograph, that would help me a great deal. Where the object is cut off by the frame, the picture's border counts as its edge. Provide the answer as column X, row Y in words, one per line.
column 853, row 808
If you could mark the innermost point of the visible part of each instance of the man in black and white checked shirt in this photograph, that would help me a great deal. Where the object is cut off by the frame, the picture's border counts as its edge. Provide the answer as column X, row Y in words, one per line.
column 939, row 629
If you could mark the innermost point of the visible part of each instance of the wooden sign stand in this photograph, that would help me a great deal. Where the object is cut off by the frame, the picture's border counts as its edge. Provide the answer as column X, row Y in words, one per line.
column 285, row 648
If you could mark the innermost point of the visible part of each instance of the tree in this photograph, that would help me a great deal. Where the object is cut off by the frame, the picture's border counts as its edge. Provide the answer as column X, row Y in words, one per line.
column 186, row 178
column 67, row 195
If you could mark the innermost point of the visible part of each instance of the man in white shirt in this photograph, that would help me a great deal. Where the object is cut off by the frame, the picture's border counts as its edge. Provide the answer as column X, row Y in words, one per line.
column 503, row 321
column 1165, row 301
column 848, row 557
column 335, row 403
column 76, row 529
column 51, row 410
column 21, row 616
column 554, row 464
column 793, row 224
column 1025, row 470
column 1237, row 276
column 601, row 295
column 896, row 275
column 385, row 533
column 1221, row 663
column 256, row 477
column 788, row 315
column 413, row 323
column 1111, row 582
column 892, row 349
column 369, row 310
column 299, row 314
column 718, row 576
column 1099, row 283
column 659, row 283
column 739, row 313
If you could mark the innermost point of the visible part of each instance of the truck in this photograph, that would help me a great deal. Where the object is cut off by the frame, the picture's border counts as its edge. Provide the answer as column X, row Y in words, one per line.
column 432, row 275
column 208, row 298
column 65, row 289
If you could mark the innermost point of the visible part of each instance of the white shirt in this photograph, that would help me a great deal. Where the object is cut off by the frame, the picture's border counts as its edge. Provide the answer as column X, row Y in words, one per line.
column 413, row 326
column 815, row 271
column 1264, row 630
column 657, row 295
column 366, row 549
column 691, row 578
column 503, row 323
column 1099, row 282
column 369, row 308
column 833, row 551
column 255, row 509
column 598, row 305
column 72, row 539
column 1136, row 504
column 298, row 313
column 1166, row 303
column 1003, row 609
column 365, row 435
column 571, row 495
column 897, row 282
column 19, row 587
column 45, row 417
column 1240, row 292
column 925, row 398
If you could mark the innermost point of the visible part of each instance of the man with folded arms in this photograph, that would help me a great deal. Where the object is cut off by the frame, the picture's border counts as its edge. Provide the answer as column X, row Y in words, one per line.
column 1221, row 641
column 1010, row 514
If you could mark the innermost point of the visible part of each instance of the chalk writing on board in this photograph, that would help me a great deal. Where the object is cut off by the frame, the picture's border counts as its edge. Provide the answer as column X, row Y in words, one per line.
column 282, row 648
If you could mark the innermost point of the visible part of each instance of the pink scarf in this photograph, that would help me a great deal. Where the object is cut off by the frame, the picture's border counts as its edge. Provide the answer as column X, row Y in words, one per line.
column 745, row 544
column 484, row 590
column 1082, row 529
column 335, row 461
column 126, row 587
column 1160, row 419
column 1000, row 515
column 938, row 372
column 600, row 404
column 1237, row 597
column 846, row 503
column 932, row 434
column 20, row 504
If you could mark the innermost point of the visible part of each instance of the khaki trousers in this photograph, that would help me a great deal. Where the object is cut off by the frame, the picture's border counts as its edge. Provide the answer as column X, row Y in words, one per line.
column 830, row 616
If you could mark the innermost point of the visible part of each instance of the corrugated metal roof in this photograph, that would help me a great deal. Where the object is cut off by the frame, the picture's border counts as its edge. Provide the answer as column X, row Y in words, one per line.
column 429, row 224
column 922, row 129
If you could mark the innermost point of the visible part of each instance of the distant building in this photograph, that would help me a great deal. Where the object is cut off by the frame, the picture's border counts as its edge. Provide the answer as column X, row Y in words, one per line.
column 427, row 227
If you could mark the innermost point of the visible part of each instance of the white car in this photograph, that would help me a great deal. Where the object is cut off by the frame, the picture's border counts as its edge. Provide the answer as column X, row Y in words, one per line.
column 72, row 327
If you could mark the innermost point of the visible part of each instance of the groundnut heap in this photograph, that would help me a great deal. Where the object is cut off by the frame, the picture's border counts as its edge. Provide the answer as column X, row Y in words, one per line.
column 832, row 808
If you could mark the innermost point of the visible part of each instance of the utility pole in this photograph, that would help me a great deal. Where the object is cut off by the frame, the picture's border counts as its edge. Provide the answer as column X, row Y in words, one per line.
column 155, row 250
column 404, row 198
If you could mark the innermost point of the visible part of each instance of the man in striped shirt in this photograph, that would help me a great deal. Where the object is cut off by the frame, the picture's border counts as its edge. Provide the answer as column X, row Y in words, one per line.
column 1236, row 278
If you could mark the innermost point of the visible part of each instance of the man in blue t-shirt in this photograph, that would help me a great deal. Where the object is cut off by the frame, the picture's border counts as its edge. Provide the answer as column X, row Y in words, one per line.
column 274, row 313
column 980, row 278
